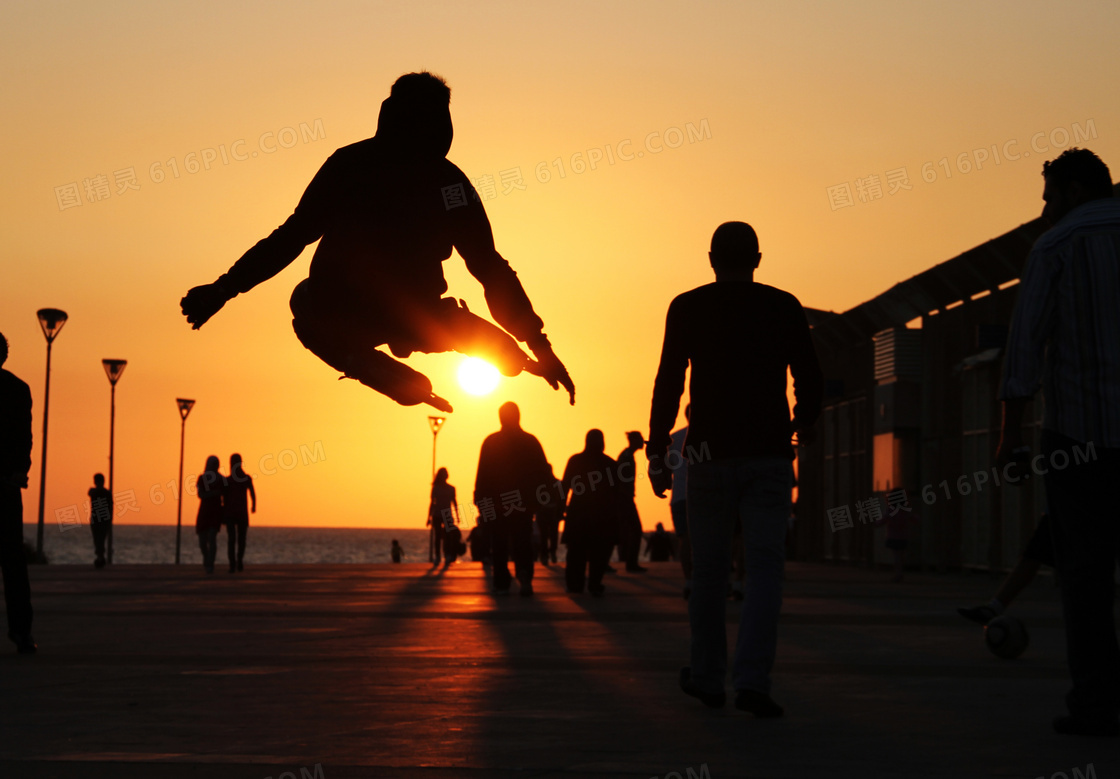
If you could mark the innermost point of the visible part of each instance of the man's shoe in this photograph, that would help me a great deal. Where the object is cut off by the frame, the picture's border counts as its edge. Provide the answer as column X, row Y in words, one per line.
column 526, row 590
column 1079, row 726
column 240, row 566
column 99, row 563
column 597, row 592
column 713, row 700
column 232, row 568
column 635, row 569
column 610, row 569
column 757, row 703
column 981, row 615
column 25, row 644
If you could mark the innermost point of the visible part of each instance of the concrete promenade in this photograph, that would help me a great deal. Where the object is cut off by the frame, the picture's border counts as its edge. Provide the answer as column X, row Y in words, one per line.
column 406, row 671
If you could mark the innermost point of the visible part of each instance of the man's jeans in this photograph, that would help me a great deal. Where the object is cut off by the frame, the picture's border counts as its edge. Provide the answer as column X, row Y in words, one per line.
column 1085, row 521
column 757, row 491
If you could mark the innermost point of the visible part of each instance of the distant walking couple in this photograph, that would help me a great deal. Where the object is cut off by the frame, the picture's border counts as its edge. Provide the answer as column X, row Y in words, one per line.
column 224, row 500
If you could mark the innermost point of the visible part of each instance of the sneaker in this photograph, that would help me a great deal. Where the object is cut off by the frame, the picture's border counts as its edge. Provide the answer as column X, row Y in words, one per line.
column 757, row 703
column 1080, row 726
column 981, row 615
column 713, row 700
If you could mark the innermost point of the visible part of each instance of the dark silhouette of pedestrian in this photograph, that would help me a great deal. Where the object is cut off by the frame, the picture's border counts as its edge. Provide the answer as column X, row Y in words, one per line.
column 440, row 508
column 238, row 500
column 100, row 517
column 739, row 338
column 592, row 480
column 511, row 468
column 1065, row 337
column 15, row 463
column 445, row 516
column 395, row 551
column 210, row 486
column 387, row 212
column 659, row 545
column 629, row 522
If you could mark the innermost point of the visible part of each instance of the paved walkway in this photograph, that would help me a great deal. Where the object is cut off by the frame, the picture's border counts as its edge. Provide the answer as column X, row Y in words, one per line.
column 405, row 671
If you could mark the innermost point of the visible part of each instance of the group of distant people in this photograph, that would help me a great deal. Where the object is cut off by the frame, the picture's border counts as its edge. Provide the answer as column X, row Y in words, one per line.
column 594, row 499
column 224, row 501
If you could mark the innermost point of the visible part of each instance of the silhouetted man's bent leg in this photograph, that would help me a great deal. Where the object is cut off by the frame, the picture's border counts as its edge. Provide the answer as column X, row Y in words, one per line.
column 349, row 344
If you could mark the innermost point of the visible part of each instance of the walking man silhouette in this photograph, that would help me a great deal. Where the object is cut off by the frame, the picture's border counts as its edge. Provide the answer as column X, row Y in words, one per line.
column 511, row 468
column 739, row 338
column 387, row 212
column 1065, row 338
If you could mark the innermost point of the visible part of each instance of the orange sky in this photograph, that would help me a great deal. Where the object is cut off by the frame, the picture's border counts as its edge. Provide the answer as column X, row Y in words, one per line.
column 786, row 100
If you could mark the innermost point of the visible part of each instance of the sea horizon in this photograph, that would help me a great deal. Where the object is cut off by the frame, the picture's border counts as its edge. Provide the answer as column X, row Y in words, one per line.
column 265, row 544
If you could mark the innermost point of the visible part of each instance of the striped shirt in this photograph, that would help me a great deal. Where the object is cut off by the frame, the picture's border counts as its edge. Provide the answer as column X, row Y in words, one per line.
column 1065, row 332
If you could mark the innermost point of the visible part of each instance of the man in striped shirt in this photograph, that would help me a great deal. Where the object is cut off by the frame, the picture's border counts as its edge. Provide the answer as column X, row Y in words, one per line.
column 1065, row 336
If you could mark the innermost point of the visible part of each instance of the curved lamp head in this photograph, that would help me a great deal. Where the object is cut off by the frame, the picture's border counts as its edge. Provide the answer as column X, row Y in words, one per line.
column 51, row 320
column 185, row 407
column 436, row 423
column 114, row 369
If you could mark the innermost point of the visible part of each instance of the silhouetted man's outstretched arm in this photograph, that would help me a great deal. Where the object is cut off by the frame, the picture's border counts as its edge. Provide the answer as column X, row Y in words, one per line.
column 270, row 255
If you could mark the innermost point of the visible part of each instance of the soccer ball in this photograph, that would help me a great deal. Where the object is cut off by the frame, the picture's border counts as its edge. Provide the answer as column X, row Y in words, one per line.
column 1006, row 637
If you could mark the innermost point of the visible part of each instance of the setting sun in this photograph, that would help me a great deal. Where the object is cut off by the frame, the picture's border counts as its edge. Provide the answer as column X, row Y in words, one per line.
column 478, row 377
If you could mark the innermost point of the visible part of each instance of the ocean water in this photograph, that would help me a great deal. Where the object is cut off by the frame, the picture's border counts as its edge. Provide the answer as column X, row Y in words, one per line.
column 265, row 545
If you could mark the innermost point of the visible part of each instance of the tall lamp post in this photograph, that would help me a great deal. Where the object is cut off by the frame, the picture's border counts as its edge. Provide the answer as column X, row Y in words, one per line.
column 51, row 320
column 113, row 369
column 185, row 407
column 436, row 423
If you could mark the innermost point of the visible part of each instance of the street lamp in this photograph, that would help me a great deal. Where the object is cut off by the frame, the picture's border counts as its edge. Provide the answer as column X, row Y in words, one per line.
column 436, row 423
column 113, row 369
column 51, row 320
column 185, row 407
